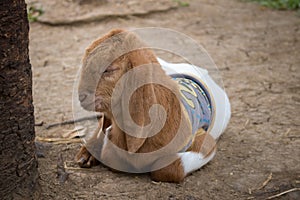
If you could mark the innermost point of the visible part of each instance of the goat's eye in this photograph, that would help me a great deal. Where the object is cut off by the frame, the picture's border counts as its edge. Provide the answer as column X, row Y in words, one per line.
column 111, row 69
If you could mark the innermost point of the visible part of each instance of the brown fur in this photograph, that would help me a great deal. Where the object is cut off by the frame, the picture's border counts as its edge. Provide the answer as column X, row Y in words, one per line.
column 203, row 143
column 100, row 40
column 171, row 173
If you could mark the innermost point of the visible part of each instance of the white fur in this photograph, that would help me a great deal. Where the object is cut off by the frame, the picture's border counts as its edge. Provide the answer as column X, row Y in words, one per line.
column 107, row 132
column 192, row 161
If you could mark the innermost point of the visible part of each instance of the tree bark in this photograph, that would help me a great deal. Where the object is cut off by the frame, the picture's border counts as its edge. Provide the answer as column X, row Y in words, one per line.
column 18, row 162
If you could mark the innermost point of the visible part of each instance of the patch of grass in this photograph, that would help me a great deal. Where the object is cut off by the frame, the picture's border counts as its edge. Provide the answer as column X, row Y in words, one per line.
column 33, row 13
column 182, row 3
column 280, row 4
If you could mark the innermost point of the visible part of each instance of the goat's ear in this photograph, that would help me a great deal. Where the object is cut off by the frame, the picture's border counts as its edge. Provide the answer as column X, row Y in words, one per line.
column 140, row 103
column 142, row 98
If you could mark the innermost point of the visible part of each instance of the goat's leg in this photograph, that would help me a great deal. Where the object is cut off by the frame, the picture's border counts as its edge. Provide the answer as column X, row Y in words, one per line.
column 199, row 154
column 85, row 159
column 93, row 145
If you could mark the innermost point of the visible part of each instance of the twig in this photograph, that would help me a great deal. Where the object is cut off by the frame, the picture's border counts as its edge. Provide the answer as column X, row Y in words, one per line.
column 62, row 175
column 287, row 132
column 246, row 123
column 76, row 132
column 265, row 182
column 73, row 121
column 39, row 123
column 70, row 168
column 249, row 190
column 58, row 140
column 285, row 192
column 293, row 137
column 156, row 183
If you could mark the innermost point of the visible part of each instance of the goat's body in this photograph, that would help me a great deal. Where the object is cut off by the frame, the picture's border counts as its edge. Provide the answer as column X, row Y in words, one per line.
column 181, row 146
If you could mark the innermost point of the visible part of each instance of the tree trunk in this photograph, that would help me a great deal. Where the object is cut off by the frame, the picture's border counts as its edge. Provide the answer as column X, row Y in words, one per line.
column 18, row 162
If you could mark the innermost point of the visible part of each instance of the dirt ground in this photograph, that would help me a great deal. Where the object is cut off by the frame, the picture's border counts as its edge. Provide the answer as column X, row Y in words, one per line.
column 257, row 51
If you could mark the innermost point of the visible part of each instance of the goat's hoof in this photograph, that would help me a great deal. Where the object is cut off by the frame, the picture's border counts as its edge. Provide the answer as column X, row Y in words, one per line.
column 85, row 159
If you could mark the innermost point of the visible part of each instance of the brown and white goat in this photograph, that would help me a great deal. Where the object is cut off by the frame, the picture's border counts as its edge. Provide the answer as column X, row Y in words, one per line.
column 133, row 148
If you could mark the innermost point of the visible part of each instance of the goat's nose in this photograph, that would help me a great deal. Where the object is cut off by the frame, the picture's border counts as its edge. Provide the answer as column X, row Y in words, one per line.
column 82, row 97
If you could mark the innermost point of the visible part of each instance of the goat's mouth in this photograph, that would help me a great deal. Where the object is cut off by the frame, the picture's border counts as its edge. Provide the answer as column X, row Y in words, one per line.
column 96, row 104
column 90, row 106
